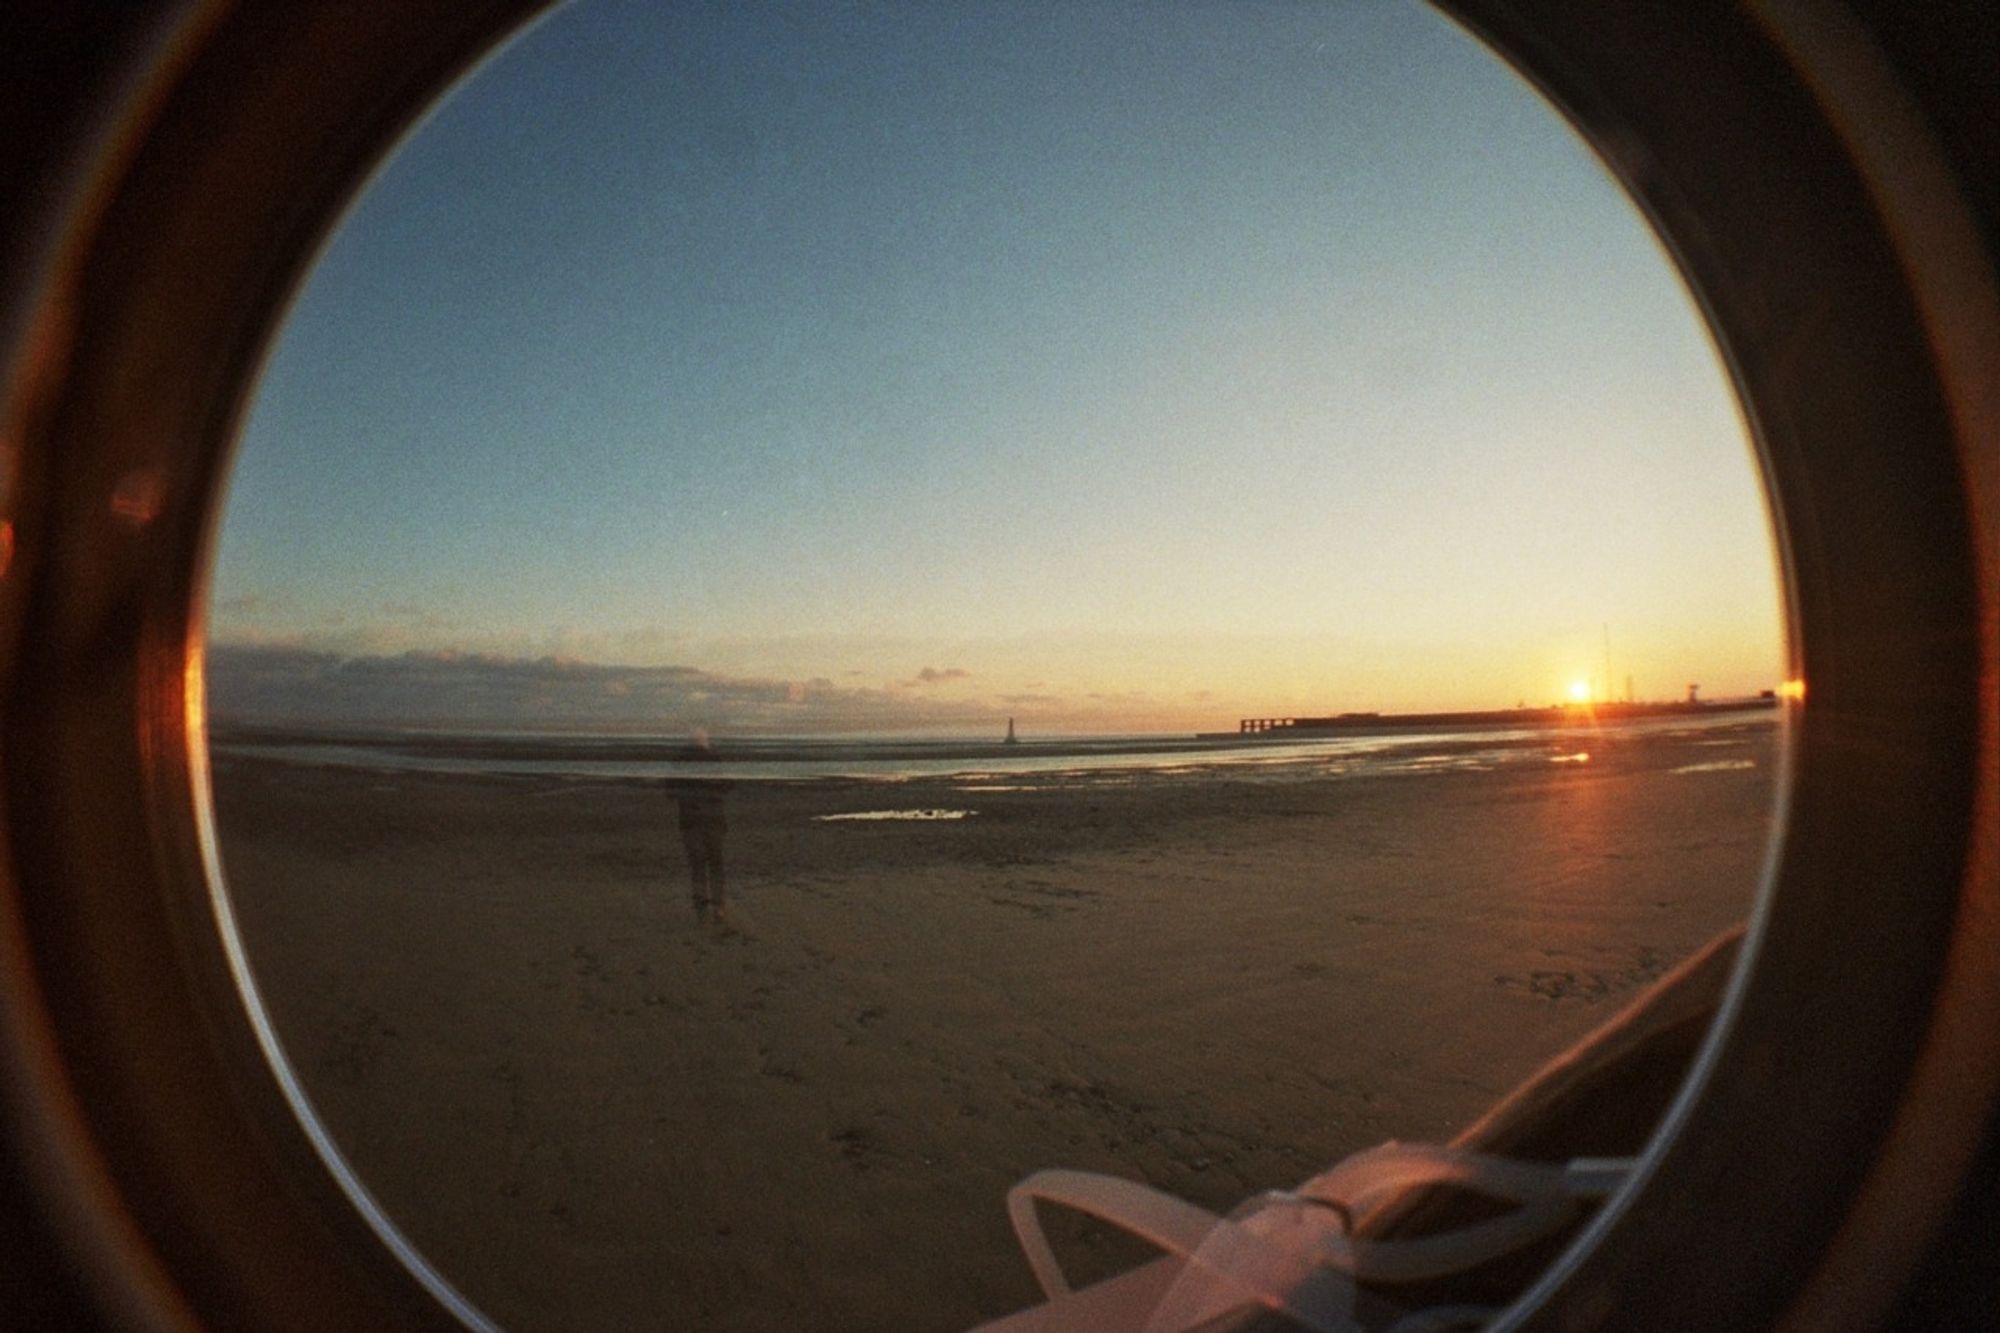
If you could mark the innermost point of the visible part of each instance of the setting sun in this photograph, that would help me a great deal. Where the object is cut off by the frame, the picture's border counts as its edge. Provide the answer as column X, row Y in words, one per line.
column 1579, row 691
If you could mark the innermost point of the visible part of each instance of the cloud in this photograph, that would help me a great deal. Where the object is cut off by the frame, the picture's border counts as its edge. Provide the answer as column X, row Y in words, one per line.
column 938, row 676
column 307, row 684
column 279, row 684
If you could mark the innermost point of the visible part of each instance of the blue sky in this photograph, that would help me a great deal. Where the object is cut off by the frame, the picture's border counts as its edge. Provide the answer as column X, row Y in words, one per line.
column 1123, row 365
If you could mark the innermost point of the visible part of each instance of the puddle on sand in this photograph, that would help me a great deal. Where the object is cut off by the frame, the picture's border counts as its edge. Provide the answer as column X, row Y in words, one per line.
column 894, row 814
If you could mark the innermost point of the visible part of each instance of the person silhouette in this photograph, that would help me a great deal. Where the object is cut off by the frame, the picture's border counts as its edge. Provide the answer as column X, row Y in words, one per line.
column 703, row 825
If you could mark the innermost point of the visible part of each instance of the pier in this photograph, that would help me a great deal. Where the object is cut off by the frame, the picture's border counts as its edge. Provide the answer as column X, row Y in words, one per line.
column 1554, row 715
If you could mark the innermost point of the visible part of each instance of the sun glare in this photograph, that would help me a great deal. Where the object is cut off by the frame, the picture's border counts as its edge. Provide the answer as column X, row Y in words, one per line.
column 1579, row 691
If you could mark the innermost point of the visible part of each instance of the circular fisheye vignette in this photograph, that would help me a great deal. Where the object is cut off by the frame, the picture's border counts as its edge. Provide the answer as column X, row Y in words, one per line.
column 486, row 37
column 353, row 1185
column 328, row 1146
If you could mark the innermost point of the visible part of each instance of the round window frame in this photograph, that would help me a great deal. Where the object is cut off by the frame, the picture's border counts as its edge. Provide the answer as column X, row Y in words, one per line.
column 163, row 1146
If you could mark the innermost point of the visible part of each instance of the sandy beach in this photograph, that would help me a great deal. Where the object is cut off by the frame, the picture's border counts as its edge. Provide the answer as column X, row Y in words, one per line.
column 593, row 1112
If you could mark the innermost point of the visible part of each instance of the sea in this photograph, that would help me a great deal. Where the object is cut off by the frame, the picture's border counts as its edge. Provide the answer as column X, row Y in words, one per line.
column 889, row 759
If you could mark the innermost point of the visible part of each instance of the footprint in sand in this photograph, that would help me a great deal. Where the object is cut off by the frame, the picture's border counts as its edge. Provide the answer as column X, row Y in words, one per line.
column 772, row 1066
column 861, row 1146
column 1559, row 986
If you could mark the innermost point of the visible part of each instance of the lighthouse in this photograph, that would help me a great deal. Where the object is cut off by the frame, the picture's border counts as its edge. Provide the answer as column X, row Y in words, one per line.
column 1012, row 739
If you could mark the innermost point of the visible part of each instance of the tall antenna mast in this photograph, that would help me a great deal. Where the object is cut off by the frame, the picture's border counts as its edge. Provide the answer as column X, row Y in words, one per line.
column 1607, row 661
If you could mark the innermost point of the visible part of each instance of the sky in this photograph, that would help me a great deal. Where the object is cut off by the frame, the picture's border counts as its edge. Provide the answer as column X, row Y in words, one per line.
column 802, row 367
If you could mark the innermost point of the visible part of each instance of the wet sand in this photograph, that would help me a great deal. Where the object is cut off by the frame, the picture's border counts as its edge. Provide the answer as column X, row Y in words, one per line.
column 592, row 1112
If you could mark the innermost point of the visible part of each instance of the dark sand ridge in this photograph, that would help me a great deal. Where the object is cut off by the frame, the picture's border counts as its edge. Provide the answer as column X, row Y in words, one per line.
column 593, row 1114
